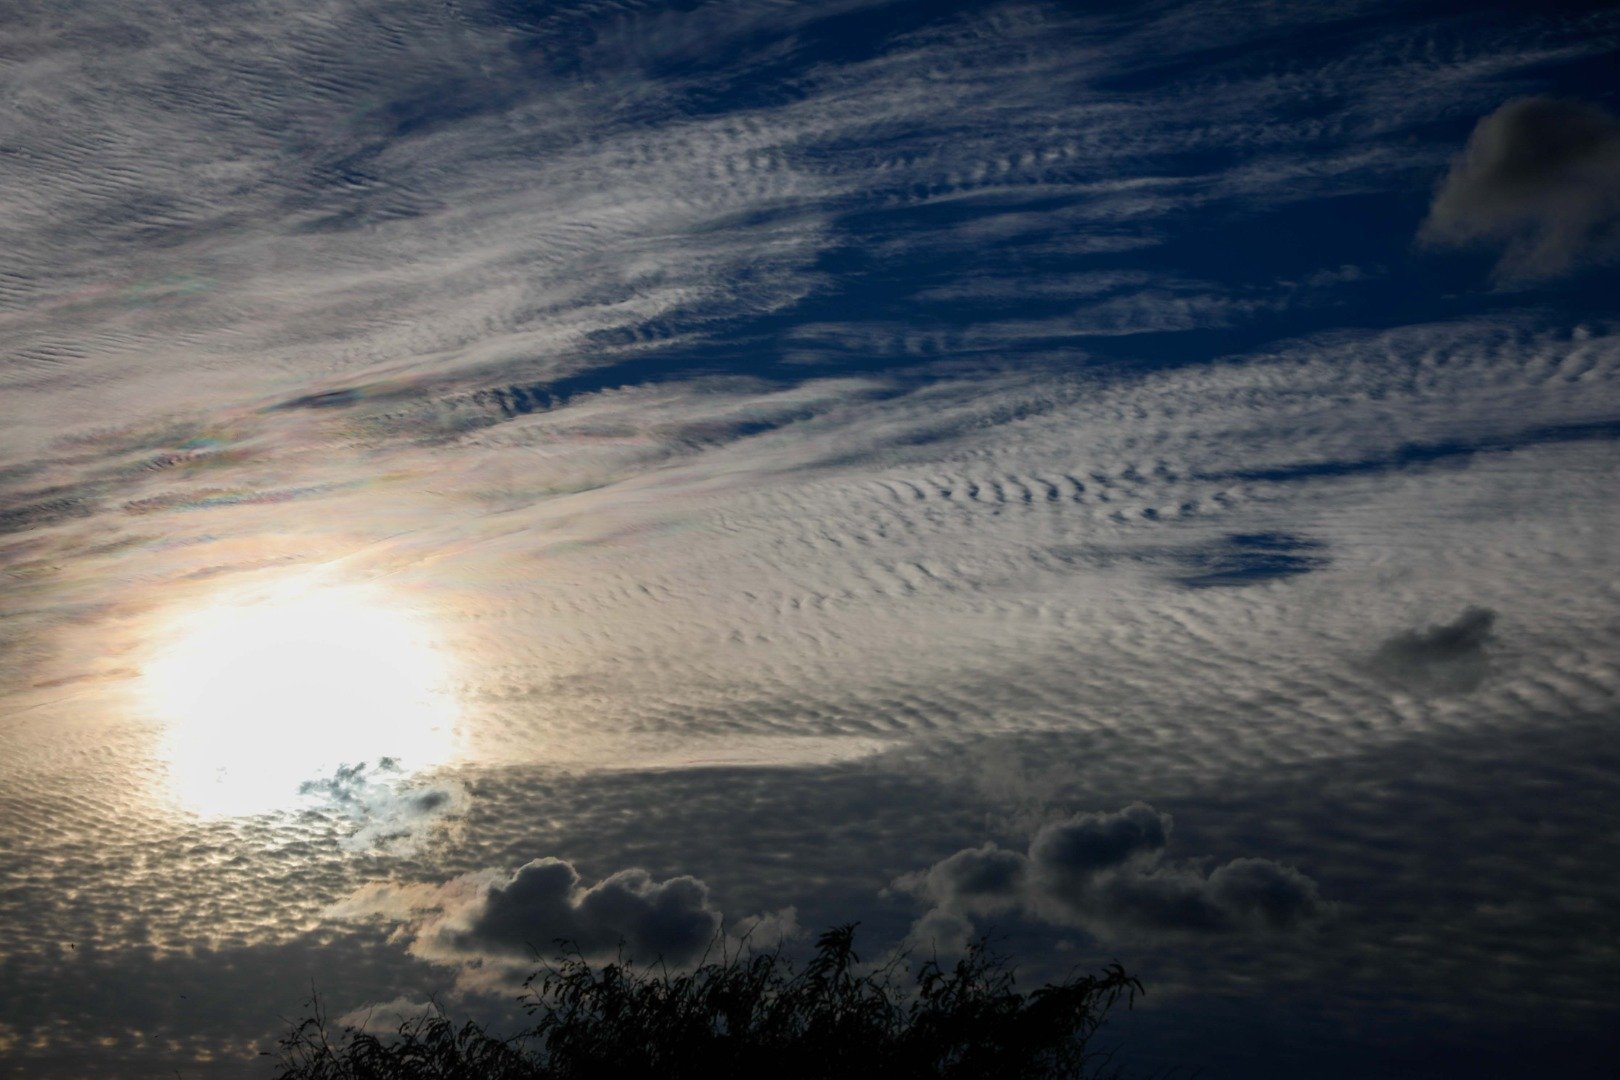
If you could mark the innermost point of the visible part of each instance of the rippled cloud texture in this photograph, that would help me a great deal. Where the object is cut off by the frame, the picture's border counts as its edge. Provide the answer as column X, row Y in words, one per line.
column 1136, row 481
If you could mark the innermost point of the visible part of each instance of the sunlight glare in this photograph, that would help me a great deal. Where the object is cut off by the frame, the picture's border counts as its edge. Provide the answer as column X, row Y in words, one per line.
column 261, row 693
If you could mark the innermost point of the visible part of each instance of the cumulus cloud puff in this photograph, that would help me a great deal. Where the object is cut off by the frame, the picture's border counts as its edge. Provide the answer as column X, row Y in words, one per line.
column 1541, row 177
column 509, row 917
column 543, row 901
column 1445, row 658
column 1107, row 873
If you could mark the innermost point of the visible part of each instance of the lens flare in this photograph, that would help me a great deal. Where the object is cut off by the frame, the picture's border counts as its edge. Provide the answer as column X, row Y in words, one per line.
column 262, row 692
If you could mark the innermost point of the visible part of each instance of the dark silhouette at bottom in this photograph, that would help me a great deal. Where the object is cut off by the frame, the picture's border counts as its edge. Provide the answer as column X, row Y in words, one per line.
column 749, row 1014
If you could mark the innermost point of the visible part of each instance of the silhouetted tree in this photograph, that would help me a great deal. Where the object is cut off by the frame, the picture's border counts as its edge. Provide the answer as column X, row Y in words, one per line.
column 749, row 1014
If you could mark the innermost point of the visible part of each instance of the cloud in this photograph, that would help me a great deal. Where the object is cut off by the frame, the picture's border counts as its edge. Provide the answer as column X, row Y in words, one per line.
column 1070, row 852
column 948, row 556
column 1106, row 873
column 1445, row 658
column 981, row 879
column 509, row 917
column 385, row 1017
column 942, row 932
column 544, row 902
column 1541, row 178
column 392, row 813
column 768, row 929
column 1259, row 892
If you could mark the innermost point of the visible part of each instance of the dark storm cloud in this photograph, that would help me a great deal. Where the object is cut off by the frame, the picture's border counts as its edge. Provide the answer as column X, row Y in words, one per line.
column 1107, row 872
column 1259, row 892
column 1070, row 852
column 492, row 923
column 1541, row 178
column 1444, row 658
column 984, row 878
column 543, row 903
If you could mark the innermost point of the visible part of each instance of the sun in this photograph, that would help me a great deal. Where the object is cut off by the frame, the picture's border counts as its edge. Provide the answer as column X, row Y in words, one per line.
column 261, row 692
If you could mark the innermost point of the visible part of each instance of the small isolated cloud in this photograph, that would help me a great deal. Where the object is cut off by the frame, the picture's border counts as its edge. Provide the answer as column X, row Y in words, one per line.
column 392, row 813
column 505, row 918
column 1107, row 873
column 1445, row 658
column 1541, row 178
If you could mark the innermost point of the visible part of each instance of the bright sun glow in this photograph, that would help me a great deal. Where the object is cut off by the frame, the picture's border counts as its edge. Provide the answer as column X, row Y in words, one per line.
column 262, row 692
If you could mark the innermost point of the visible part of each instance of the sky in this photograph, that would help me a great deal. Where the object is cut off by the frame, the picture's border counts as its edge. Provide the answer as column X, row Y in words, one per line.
column 1136, row 481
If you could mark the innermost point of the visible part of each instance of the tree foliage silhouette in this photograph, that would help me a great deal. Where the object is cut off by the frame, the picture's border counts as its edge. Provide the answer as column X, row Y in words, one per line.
column 748, row 1014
